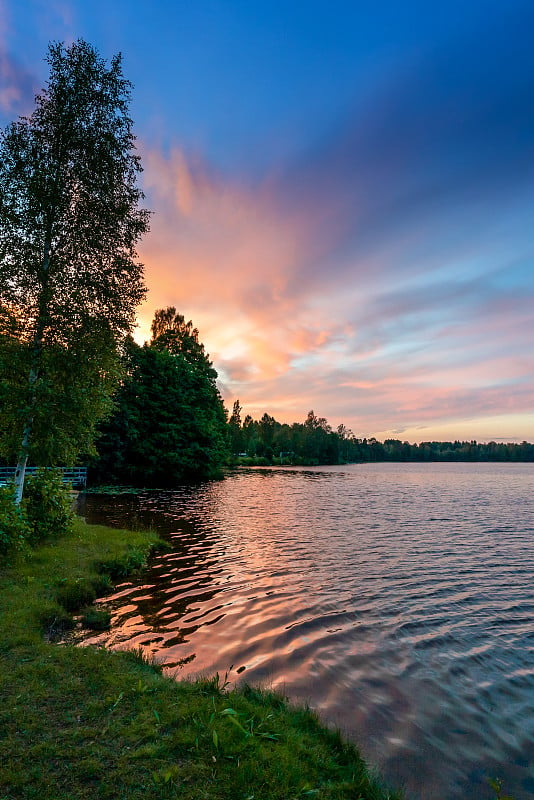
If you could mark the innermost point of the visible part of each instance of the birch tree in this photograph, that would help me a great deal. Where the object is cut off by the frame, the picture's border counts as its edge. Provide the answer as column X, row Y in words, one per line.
column 70, row 279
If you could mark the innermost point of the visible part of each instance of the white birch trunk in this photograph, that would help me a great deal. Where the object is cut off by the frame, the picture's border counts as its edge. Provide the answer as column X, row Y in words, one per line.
column 20, row 471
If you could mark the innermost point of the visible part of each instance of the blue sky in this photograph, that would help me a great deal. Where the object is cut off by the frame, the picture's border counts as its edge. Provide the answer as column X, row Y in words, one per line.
column 343, row 197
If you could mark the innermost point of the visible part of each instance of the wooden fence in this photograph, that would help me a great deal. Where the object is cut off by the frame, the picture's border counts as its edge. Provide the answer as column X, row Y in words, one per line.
column 76, row 476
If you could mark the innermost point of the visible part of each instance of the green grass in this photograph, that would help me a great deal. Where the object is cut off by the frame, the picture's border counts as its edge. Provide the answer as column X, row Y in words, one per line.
column 85, row 723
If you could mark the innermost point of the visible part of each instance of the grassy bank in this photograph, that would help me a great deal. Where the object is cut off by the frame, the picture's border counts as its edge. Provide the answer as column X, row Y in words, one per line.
column 81, row 722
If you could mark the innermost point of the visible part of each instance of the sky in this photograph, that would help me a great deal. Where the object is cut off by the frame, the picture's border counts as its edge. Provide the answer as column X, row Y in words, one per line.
column 342, row 197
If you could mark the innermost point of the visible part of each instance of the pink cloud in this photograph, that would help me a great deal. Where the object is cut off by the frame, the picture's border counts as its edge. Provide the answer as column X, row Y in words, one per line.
column 374, row 353
column 16, row 82
column 223, row 253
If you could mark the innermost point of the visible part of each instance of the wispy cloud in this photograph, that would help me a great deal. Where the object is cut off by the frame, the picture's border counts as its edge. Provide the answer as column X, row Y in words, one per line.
column 383, row 277
column 436, row 154
column 17, row 84
column 224, row 252
column 382, row 274
column 433, row 343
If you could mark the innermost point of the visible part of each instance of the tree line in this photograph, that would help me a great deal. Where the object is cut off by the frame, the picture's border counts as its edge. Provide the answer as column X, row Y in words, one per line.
column 314, row 441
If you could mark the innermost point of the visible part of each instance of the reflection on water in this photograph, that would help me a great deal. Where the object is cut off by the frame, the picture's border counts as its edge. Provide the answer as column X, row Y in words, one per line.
column 395, row 599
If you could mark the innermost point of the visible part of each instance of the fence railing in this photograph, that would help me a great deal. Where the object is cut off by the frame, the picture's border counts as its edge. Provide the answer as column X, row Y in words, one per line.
column 76, row 476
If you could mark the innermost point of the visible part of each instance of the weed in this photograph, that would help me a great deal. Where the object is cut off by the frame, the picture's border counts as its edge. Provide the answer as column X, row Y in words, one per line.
column 140, row 656
column 96, row 619
column 214, row 685
column 102, row 584
column 496, row 785
column 131, row 561
column 54, row 621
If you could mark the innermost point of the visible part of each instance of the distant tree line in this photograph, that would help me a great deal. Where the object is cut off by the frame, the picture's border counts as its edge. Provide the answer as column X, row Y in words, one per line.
column 314, row 442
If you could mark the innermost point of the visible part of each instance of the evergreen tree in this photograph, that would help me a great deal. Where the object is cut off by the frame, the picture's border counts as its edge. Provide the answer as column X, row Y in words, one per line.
column 169, row 424
column 234, row 429
column 171, row 332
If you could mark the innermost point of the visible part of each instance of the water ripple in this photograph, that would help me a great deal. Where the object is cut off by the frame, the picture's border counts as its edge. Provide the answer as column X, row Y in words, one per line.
column 396, row 599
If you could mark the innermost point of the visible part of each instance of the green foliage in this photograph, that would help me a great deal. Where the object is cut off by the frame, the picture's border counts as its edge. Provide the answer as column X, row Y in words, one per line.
column 71, row 394
column 14, row 528
column 169, row 424
column 172, row 333
column 29, row 605
column 54, row 621
column 103, row 583
column 69, row 215
column 70, row 280
column 269, row 442
column 255, row 461
column 314, row 442
column 75, row 593
column 235, row 434
column 96, row 619
column 131, row 560
column 48, row 505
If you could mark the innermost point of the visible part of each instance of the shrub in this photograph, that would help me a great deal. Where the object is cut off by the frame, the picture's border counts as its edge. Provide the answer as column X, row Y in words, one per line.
column 54, row 621
column 14, row 529
column 96, row 619
column 73, row 594
column 48, row 505
column 133, row 560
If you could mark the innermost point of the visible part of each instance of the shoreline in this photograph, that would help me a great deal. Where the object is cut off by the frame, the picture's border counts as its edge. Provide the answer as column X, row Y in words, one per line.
column 78, row 718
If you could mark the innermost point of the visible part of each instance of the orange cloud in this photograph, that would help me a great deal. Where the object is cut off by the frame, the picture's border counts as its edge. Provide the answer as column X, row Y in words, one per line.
column 222, row 253
column 288, row 332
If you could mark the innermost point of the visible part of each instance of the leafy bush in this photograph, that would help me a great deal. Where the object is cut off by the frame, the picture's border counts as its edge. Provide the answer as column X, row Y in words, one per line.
column 48, row 505
column 14, row 529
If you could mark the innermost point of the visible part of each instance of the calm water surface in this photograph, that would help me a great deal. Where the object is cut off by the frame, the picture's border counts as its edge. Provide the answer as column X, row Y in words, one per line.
column 397, row 599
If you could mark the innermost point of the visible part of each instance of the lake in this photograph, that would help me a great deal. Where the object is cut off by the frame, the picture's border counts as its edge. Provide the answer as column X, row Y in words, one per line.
column 396, row 599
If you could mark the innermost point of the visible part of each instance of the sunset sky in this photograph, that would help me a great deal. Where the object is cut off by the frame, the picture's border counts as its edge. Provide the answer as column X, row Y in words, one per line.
column 343, row 197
